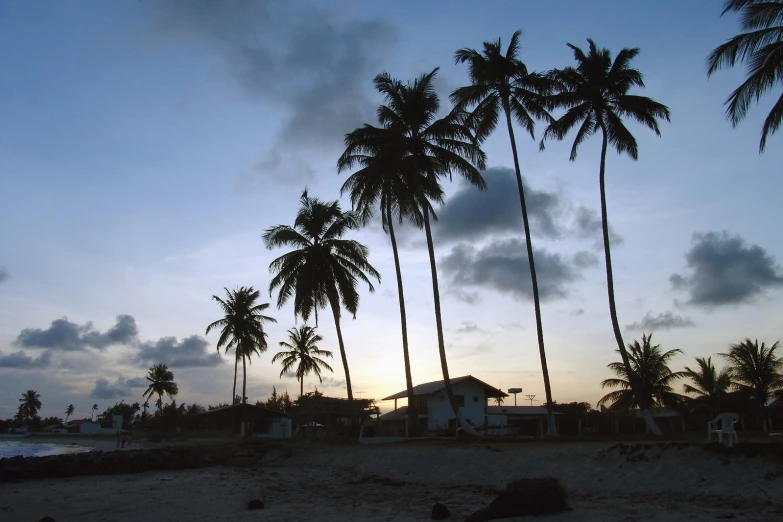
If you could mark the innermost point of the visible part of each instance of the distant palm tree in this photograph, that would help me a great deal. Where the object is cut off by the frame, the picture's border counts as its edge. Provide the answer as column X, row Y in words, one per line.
column 93, row 410
column 499, row 401
column 709, row 385
column 427, row 148
column 242, row 328
column 323, row 269
column 303, row 353
column 650, row 365
column 501, row 83
column 162, row 383
column 194, row 409
column 756, row 370
column 760, row 48
column 595, row 97
column 30, row 404
column 69, row 411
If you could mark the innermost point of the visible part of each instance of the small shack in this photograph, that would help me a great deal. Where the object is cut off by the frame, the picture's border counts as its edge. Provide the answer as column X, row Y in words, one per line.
column 239, row 419
column 332, row 418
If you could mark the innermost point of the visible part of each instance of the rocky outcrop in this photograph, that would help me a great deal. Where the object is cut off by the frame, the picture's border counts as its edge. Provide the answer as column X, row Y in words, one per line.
column 528, row 496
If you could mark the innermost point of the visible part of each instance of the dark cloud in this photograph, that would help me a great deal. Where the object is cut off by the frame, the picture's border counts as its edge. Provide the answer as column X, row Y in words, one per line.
column 21, row 361
column 315, row 62
column 469, row 327
column 65, row 335
column 470, row 298
column 503, row 266
column 472, row 214
column 587, row 225
column 4, row 275
column 723, row 270
column 122, row 387
column 662, row 321
column 585, row 259
column 191, row 352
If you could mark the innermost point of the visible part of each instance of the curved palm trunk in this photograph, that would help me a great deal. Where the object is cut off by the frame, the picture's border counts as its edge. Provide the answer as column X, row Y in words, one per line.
column 336, row 313
column 439, row 325
column 641, row 401
column 552, row 428
column 404, row 322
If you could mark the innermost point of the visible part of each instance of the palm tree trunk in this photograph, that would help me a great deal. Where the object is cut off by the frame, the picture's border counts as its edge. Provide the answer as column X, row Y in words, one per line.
column 552, row 428
column 404, row 322
column 234, row 391
column 244, row 380
column 641, row 401
column 301, row 386
column 336, row 313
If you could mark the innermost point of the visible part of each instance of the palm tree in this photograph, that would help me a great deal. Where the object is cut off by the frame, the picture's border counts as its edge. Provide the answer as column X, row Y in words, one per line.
column 93, row 410
column 595, row 94
column 709, row 385
column 384, row 183
column 194, row 409
column 501, row 82
column 323, row 268
column 499, row 401
column 161, row 383
column 303, row 352
column 242, row 328
column 30, row 403
column 760, row 48
column 69, row 411
column 650, row 366
column 756, row 370
column 426, row 147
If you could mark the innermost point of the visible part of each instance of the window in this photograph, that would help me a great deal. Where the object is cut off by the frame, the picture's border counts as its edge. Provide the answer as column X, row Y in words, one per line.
column 460, row 400
column 475, row 398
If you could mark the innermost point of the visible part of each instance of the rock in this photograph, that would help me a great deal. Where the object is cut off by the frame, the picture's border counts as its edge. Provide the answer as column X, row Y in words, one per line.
column 255, row 504
column 439, row 511
column 532, row 496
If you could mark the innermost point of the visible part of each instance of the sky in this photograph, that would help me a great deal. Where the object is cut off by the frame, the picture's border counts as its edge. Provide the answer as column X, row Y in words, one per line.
column 146, row 146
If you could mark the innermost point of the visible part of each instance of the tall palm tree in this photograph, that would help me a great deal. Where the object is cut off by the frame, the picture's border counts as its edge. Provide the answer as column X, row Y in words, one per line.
column 69, row 411
column 162, row 383
column 242, row 329
column 93, row 410
column 323, row 268
column 756, row 370
column 384, row 182
column 708, row 384
column 427, row 147
column 761, row 48
column 304, row 354
column 595, row 97
column 30, row 403
column 502, row 83
column 650, row 366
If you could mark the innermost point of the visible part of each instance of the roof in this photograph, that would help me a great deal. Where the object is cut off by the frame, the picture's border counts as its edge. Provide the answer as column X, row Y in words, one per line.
column 430, row 388
column 76, row 422
column 394, row 415
column 247, row 405
column 518, row 410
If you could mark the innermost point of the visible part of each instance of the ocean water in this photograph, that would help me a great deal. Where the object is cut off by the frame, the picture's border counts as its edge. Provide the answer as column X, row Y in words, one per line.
column 25, row 448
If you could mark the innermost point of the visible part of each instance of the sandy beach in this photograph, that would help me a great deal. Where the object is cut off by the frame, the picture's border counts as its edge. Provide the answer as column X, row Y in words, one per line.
column 401, row 482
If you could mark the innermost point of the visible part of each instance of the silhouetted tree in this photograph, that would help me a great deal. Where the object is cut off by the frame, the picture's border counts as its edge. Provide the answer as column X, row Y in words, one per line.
column 708, row 384
column 303, row 354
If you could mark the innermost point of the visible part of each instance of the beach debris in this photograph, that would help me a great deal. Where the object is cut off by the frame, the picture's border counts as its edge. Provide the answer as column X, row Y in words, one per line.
column 440, row 511
column 528, row 496
column 255, row 504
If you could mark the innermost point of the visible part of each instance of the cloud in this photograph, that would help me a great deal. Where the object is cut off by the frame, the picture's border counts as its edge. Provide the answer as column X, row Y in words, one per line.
column 577, row 312
column 722, row 270
column 585, row 259
column 662, row 321
column 21, row 361
column 472, row 214
column 470, row 298
column 587, row 225
column 331, row 382
column 503, row 266
column 469, row 327
column 316, row 63
column 4, row 275
column 191, row 352
column 122, row 387
column 65, row 335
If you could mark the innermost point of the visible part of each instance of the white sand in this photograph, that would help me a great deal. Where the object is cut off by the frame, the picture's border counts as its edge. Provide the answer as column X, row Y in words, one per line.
column 343, row 483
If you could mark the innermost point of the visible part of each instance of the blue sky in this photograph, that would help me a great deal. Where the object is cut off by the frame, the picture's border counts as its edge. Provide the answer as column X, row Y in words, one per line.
column 147, row 145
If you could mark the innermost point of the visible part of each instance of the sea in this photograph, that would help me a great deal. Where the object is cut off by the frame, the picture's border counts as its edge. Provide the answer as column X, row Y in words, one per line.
column 26, row 448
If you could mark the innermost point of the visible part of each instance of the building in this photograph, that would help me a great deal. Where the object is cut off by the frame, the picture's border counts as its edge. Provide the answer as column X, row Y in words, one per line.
column 239, row 419
column 433, row 411
column 517, row 420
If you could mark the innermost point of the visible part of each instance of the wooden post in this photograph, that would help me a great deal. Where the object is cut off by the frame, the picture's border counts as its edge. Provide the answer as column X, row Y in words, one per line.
column 395, row 404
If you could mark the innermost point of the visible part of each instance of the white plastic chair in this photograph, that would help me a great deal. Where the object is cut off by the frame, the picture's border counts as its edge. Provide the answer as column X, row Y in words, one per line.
column 723, row 425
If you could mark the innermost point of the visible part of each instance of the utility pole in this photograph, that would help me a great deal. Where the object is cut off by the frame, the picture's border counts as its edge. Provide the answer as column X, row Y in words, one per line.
column 530, row 398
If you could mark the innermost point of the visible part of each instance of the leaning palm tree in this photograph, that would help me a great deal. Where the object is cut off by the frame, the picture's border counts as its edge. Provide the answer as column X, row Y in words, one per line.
column 304, row 354
column 242, row 328
column 426, row 148
column 385, row 183
column 761, row 48
column 595, row 97
column 708, row 384
column 502, row 83
column 30, row 403
column 162, row 383
column 322, row 269
column 756, row 369
column 650, row 367
column 69, row 411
